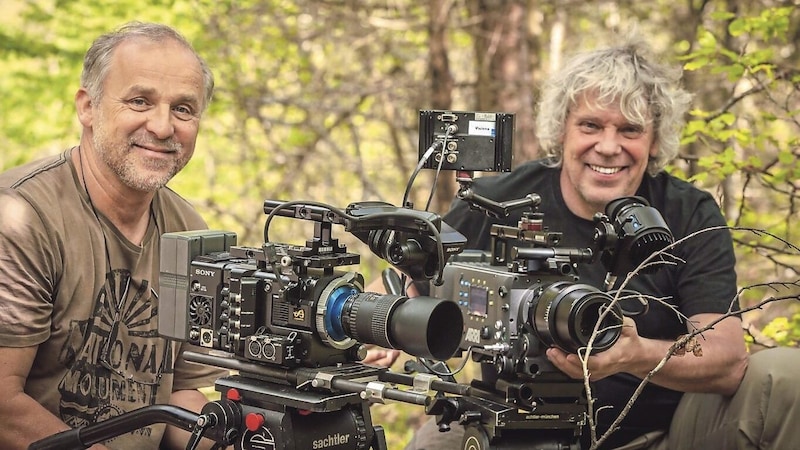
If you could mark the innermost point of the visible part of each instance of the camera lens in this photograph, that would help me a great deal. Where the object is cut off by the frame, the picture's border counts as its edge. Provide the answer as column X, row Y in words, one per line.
column 641, row 232
column 565, row 315
column 421, row 326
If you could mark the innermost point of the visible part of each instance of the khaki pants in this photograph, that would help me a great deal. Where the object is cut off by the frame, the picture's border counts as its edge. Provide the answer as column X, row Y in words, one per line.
column 763, row 414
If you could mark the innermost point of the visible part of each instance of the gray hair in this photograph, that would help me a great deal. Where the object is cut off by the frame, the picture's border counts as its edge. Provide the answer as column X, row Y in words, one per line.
column 97, row 60
column 646, row 90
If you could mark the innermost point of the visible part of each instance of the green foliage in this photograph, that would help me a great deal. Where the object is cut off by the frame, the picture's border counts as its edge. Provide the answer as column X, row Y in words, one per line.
column 748, row 134
column 784, row 331
column 318, row 100
column 41, row 54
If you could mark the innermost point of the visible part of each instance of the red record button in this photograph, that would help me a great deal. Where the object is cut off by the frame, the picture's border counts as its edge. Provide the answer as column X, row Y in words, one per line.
column 254, row 421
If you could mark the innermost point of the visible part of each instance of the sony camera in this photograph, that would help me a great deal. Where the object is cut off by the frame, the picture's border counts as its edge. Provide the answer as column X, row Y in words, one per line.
column 290, row 305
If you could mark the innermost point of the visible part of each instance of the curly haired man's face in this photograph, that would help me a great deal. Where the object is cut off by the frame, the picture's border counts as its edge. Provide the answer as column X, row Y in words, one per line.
column 605, row 156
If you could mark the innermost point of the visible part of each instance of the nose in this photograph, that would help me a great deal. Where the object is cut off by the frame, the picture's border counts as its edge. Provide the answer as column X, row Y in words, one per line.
column 159, row 122
column 608, row 144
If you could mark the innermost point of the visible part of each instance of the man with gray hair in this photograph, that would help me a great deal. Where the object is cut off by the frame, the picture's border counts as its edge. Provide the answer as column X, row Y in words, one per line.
column 609, row 121
column 80, row 234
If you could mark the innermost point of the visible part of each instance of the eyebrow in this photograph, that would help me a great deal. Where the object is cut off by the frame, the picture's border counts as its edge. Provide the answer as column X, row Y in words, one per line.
column 578, row 117
column 138, row 89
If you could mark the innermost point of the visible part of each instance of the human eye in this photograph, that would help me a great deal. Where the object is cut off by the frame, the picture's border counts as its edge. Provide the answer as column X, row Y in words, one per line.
column 138, row 103
column 588, row 126
column 184, row 112
column 631, row 131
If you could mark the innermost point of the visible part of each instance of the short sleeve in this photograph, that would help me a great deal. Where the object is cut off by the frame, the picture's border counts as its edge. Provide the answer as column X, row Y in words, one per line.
column 27, row 268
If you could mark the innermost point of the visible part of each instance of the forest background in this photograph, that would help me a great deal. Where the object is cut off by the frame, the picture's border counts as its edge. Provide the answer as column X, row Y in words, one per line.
column 319, row 100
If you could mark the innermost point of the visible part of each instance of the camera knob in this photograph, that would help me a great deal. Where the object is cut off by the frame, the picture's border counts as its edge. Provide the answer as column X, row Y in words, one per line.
column 254, row 421
column 503, row 365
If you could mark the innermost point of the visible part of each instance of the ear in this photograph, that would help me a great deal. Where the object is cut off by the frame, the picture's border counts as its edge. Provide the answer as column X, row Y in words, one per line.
column 654, row 150
column 83, row 104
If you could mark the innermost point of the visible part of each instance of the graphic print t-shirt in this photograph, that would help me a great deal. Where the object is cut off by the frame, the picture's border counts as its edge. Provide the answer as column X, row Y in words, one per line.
column 74, row 286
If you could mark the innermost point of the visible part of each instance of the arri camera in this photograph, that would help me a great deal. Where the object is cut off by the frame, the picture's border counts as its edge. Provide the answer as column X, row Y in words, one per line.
column 525, row 295
column 294, row 324
column 518, row 301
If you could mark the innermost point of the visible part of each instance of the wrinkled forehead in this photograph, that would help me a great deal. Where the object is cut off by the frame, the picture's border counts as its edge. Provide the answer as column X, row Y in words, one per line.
column 147, row 64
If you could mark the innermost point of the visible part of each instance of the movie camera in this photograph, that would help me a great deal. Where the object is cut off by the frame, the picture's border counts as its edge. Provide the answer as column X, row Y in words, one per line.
column 294, row 325
column 524, row 295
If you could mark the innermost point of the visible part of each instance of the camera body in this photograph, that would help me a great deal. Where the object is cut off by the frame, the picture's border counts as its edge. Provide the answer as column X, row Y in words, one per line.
column 511, row 318
column 521, row 298
column 293, row 305
column 231, row 300
column 525, row 295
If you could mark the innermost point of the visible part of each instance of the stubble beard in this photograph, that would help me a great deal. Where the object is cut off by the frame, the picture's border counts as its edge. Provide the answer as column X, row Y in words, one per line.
column 126, row 164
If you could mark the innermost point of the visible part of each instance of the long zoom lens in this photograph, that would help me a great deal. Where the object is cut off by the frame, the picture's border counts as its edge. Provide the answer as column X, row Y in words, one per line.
column 565, row 315
column 427, row 327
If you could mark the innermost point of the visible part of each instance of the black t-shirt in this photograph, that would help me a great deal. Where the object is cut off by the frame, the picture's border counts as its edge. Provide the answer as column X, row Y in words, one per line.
column 705, row 283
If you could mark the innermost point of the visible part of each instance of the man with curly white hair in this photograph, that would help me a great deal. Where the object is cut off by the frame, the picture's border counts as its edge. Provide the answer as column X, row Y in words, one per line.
column 608, row 122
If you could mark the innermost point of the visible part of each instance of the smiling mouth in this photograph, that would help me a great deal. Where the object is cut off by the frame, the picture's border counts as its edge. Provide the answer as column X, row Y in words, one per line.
column 155, row 149
column 605, row 170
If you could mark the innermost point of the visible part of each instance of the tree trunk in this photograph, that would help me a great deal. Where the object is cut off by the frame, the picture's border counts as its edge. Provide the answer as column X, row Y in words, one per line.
column 504, row 66
column 441, row 87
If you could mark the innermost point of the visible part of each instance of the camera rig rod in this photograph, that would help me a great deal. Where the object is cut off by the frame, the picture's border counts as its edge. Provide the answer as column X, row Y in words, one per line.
column 321, row 378
column 575, row 255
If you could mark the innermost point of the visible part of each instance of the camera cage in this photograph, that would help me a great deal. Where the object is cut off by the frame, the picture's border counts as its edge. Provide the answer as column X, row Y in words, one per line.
column 270, row 398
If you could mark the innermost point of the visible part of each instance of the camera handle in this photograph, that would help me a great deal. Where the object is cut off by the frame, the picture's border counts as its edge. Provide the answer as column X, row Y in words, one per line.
column 85, row 437
column 491, row 207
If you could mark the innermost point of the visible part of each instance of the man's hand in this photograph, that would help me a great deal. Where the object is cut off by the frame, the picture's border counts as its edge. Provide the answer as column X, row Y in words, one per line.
column 383, row 357
column 616, row 359
column 719, row 368
column 24, row 420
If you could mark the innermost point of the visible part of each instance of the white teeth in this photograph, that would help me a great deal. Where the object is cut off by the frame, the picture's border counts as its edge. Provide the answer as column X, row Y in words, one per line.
column 605, row 170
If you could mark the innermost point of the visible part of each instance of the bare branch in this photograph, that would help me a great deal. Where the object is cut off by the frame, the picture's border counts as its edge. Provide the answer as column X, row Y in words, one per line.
column 686, row 343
